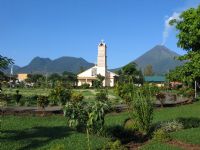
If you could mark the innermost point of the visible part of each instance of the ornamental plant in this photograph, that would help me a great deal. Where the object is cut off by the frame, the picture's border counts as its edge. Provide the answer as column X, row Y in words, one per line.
column 59, row 95
column 17, row 97
column 42, row 101
column 143, row 110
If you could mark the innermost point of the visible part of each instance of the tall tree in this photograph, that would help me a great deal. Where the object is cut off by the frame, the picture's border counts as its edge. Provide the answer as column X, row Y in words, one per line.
column 188, row 26
column 4, row 62
column 130, row 74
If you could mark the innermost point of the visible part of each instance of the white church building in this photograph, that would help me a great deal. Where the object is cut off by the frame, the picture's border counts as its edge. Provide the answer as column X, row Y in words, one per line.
column 90, row 75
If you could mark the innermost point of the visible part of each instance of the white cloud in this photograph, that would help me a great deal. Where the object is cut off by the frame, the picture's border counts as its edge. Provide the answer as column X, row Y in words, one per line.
column 175, row 15
column 168, row 27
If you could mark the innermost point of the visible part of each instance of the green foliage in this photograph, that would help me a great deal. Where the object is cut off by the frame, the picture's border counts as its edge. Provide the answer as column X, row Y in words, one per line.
column 171, row 126
column 85, row 86
column 130, row 74
column 76, row 97
column 82, row 115
column 143, row 110
column 188, row 29
column 3, row 100
column 102, row 96
column 116, row 145
column 188, row 39
column 76, row 113
column 131, row 124
column 4, row 62
column 17, row 96
column 59, row 95
column 186, row 92
column 96, row 116
column 191, row 122
column 42, row 101
column 98, row 83
column 161, row 136
column 37, row 79
column 124, row 91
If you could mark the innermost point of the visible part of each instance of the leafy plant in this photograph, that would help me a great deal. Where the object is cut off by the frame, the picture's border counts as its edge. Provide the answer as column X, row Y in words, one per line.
column 96, row 116
column 171, row 126
column 143, row 110
column 131, row 124
column 116, row 145
column 76, row 97
column 102, row 96
column 59, row 95
column 161, row 135
column 76, row 113
column 17, row 96
column 42, row 101
column 85, row 86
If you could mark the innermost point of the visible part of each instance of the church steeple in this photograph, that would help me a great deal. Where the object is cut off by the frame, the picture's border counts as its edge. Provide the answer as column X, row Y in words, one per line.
column 102, row 56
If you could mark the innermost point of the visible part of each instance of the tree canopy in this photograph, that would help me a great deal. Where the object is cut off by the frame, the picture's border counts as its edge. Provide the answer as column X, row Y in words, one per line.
column 4, row 62
column 130, row 74
column 188, row 26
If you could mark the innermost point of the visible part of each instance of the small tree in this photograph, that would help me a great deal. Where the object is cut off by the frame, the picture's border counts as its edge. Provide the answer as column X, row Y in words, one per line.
column 161, row 98
column 17, row 97
column 42, row 101
column 98, row 83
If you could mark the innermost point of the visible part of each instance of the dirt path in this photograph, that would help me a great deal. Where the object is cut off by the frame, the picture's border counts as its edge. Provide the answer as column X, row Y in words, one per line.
column 185, row 146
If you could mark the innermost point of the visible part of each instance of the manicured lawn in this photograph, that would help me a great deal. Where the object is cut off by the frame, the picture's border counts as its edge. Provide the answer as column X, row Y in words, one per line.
column 32, row 132
column 191, row 136
column 43, row 133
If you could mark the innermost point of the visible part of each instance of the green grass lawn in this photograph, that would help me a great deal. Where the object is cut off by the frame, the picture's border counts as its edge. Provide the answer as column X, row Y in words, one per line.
column 33, row 132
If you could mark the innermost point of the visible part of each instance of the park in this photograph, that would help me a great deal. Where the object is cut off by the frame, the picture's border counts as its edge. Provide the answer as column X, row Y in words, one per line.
column 101, row 109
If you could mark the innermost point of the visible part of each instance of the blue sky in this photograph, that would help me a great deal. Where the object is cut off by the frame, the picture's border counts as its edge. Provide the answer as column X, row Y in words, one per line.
column 55, row 28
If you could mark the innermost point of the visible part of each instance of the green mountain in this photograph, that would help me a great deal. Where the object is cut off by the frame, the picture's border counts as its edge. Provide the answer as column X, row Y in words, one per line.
column 46, row 65
column 160, row 57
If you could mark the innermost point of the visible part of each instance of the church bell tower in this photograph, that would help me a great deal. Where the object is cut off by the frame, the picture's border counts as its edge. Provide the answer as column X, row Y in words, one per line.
column 102, row 59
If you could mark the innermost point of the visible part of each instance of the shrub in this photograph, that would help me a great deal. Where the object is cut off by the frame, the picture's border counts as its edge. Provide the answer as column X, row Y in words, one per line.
column 102, row 96
column 3, row 100
column 143, row 111
column 76, row 114
column 124, row 91
column 96, row 116
column 161, row 135
column 42, row 101
column 131, row 124
column 76, row 97
column 116, row 145
column 171, row 126
column 59, row 95
column 85, row 86
column 189, row 122
column 17, row 97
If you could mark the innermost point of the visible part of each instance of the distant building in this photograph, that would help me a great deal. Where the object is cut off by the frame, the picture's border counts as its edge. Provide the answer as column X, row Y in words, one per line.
column 158, row 80
column 90, row 75
column 22, row 76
